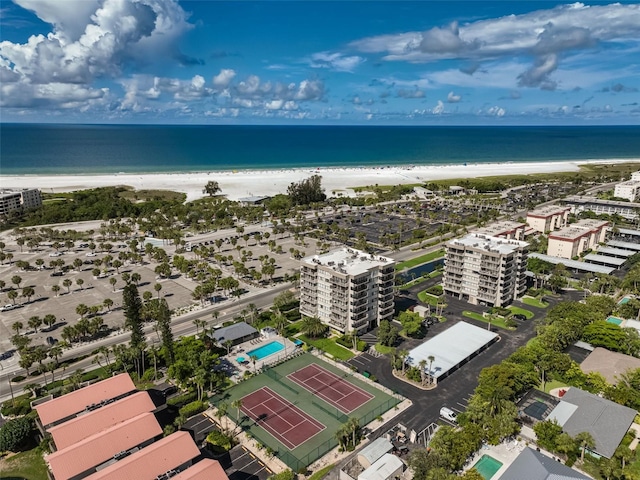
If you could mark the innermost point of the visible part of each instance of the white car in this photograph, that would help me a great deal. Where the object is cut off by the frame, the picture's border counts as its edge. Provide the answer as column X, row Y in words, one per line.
column 7, row 307
column 90, row 254
column 449, row 414
column 55, row 254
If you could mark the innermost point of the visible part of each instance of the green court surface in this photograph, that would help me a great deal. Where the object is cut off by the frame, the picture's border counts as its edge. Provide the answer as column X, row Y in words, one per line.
column 319, row 444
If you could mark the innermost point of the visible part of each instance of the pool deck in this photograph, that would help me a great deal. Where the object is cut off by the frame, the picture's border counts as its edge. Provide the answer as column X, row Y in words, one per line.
column 241, row 350
column 506, row 452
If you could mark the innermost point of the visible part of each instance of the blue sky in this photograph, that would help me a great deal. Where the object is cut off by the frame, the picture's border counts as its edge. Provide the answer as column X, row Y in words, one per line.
column 315, row 62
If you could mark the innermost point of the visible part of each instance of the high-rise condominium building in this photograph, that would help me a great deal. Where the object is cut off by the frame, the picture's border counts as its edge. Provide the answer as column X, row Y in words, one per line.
column 485, row 270
column 347, row 289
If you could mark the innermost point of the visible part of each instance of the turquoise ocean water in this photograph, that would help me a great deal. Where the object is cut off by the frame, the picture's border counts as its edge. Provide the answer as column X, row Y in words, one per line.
column 99, row 149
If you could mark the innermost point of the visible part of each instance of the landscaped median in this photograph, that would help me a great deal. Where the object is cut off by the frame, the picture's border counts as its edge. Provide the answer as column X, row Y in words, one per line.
column 495, row 321
column 534, row 302
column 420, row 260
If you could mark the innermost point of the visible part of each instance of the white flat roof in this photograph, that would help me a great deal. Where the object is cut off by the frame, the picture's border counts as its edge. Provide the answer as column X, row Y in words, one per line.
column 625, row 245
column 382, row 469
column 488, row 243
column 586, row 267
column 615, row 251
column 450, row 347
column 628, row 231
column 348, row 261
column 607, row 260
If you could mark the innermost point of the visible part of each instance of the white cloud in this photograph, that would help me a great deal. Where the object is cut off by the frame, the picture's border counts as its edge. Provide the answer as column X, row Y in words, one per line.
column 543, row 35
column 496, row 111
column 223, row 79
column 452, row 98
column 90, row 40
column 439, row 108
column 335, row 61
column 414, row 93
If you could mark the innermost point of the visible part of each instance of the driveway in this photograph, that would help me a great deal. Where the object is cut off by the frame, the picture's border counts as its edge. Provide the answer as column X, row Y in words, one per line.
column 455, row 390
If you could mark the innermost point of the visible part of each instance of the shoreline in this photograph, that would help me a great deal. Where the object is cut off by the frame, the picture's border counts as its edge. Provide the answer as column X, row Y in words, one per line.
column 236, row 184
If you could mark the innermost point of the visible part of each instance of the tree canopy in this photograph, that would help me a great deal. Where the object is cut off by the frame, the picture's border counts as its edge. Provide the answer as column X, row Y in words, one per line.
column 307, row 191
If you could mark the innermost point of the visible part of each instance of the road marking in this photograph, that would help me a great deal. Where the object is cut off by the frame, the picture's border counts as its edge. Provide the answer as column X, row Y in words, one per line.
column 252, row 456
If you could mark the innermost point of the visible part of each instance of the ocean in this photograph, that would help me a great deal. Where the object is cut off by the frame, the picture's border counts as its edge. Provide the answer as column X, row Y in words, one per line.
column 99, row 149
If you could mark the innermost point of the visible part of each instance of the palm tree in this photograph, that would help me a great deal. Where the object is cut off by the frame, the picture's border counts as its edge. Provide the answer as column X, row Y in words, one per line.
column 17, row 326
column 34, row 322
column 431, row 359
column 313, row 327
column 237, row 404
column 353, row 429
column 108, row 303
column 67, row 284
column 402, row 355
column 253, row 360
column 585, row 440
column 157, row 287
column 221, row 412
column 55, row 289
column 422, row 365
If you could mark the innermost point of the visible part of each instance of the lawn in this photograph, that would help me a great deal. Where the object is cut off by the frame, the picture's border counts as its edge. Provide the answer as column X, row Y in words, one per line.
column 521, row 311
column 534, row 302
column 498, row 322
column 420, row 260
column 383, row 348
column 329, row 346
column 27, row 465
column 428, row 298
column 550, row 385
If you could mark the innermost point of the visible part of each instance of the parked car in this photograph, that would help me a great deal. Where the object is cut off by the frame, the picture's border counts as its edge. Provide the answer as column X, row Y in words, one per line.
column 449, row 414
column 90, row 254
column 7, row 307
column 55, row 254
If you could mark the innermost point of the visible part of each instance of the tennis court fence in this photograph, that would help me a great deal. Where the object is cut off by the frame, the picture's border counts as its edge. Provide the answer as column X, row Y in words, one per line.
column 299, row 464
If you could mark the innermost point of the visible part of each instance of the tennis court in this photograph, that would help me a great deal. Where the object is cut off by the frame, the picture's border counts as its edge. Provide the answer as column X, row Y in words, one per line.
column 280, row 418
column 334, row 390
column 276, row 410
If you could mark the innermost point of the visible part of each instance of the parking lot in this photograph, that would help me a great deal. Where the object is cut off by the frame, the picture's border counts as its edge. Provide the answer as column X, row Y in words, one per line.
column 455, row 391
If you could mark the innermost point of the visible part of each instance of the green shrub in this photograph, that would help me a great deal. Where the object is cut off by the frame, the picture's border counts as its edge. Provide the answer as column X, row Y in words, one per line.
column 500, row 311
column 20, row 407
column 219, row 442
column 286, row 475
column 435, row 290
column 510, row 323
column 181, row 400
column 15, row 434
column 193, row 408
column 17, row 378
column 347, row 342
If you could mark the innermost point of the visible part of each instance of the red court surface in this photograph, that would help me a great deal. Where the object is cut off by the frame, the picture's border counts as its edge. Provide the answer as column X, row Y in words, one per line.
column 334, row 390
column 282, row 419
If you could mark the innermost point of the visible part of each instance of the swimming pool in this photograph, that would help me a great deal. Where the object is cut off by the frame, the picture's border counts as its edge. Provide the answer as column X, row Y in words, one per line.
column 487, row 466
column 624, row 300
column 266, row 350
column 614, row 320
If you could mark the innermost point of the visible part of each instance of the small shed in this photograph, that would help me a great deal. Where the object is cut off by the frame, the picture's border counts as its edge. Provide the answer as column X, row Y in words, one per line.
column 385, row 468
column 374, row 451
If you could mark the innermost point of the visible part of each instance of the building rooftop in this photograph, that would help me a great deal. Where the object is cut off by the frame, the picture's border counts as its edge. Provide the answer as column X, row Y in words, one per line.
column 624, row 245
column 233, row 332
column 375, row 450
column 488, row 243
column 75, row 402
column 102, row 446
column 450, row 347
column 383, row 469
column 609, row 364
column 619, row 252
column 629, row 231
column 606, row 421
column 90, row 423
column 583, row 200
column 574, row 264
column 348, row 261
column 152, row 461
column 604, row 259
column 548, row 211
column 532, row 465
column 205, row 469
column 498, row 228
column 579, row 229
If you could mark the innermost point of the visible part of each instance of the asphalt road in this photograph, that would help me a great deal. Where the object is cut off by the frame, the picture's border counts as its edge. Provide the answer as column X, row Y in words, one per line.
column 181, row 326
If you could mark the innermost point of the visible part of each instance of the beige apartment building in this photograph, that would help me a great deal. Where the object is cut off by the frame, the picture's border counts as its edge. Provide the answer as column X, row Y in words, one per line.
column 571, row 241
column 485, row 270
column 628, row 190
column 505, row 229
column 347, row 289
column 11, row 200
column 549, row 218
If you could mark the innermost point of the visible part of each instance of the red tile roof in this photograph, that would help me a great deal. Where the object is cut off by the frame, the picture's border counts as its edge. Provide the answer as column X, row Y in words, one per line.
column 83, row 426
column 74, row 402
column 102, row 446
column 206, row 469
column 151, row 461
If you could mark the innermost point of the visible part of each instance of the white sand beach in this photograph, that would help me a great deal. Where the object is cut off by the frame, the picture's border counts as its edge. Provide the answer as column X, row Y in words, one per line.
column 239, row 184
